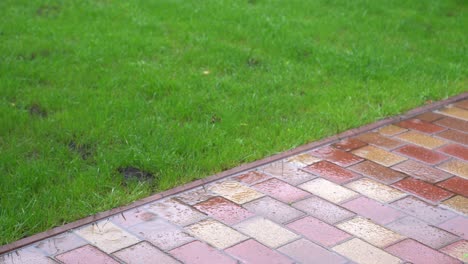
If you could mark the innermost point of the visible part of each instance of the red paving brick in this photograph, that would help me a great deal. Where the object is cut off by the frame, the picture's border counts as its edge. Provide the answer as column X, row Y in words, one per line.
column 224, row 210
column 86, row 254
column 281, row 190
column 336, row 156
column 455, row 150
column 456, row 185
column 420, row 125
column 422, row 154
column 418, row 253
column 373, row 210
column 251, row 251
column 423, row 189
column 200, row 253
column 331, row 172
column 318, row 231
column 369, row 198
column 349, row 144
column 453, row 135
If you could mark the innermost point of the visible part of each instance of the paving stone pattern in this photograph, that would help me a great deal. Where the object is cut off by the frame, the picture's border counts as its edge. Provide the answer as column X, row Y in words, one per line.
column 397, row 194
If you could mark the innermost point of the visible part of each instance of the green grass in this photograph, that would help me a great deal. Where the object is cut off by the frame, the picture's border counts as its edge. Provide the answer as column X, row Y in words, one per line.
column 90, row 86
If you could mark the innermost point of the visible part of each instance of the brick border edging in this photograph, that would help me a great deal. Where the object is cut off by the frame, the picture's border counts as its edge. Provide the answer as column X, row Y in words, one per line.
column 197, row 183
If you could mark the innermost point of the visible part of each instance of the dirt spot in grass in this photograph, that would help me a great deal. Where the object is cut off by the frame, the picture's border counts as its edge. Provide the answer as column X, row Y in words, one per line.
column 42, row 53
column 47, row 10
column 252, row 2
column 215, row 119
column 130, row 173
column 84, row 150
column 253, row 62
column 37, row 110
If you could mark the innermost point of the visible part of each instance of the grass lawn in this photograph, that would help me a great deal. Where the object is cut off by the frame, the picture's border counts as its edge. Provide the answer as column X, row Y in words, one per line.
column 184, row 89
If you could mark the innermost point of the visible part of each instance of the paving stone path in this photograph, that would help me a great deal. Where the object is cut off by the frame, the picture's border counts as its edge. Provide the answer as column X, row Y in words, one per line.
column 396, row 194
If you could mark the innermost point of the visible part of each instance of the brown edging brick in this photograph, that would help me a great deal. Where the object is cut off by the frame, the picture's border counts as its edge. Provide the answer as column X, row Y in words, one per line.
column 349, row 133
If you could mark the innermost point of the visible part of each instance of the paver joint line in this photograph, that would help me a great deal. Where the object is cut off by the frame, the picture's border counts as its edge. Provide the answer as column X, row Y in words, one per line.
column 378, row 193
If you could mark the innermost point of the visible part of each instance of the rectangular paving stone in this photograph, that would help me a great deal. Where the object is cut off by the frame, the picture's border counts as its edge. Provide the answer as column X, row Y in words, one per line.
column 455, row 112
column 421, row 171
column 195, row 196
column 328, row 190
column 302, row 160
column 462, row 104
column 251, row 251
column 376, row 235
column 60, row 243
column 288, row 173
column 377, row 139
column 456, row 184
column 144, row 253
column 419, row 230
column 416, row 253
column 457, row 225
column 26, row 255
column 197, row 252
column 175, row 212
column 457, row 250
column 318, row 231
column 266, row 232
column 391, row 130
column 373, row 210
column 332, row 172
column 364, row 253
column 224, row 210
column 375, row 190
column 456, row 167
column 107, row 236
column 454, row 135
column 423, row 189
column 161, row 234
column 336, row 156
column 132, row 217
column 453, row 123
column 422, row 154
column 85, row 254
column 235, row 192
column 281, row 190
column 456, row 150
column 429, row 213
column 457, row 203
column 215, row 233
column 378, row 172
column 420, row 125
column 429, row 116
column 323, row 210
column 378, row 155
column 421, row 139
column 349, row 144
column 306, row 252
column 273, row 210
column 251, row 177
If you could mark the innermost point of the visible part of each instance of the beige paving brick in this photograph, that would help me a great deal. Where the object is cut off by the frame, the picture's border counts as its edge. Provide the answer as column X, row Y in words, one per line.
column 107, row 236
column 235, row 192
column 457, row 203
column 302, row 160
column 421, row 139
column 378, row 155
column 455, row 166
column 376, row 190
column 364, row 253
column 391, row 130
column 176, row 212
column 266, row 232
column 375, row 234
column 328, row 190
column 215, row 233
column 287, row 172
column 455, row 112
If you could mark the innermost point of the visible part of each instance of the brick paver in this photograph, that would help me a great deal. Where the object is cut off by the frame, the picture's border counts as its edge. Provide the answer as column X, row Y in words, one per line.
column 397, row 193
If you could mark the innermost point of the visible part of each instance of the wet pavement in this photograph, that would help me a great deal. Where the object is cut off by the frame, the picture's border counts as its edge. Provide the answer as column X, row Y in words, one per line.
column 396, row 194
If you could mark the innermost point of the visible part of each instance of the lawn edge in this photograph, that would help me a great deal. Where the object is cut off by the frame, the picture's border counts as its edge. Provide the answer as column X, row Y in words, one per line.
column 239, row 169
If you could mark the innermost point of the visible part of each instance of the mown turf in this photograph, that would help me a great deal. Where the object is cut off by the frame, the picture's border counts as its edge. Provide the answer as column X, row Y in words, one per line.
column 183, row 89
